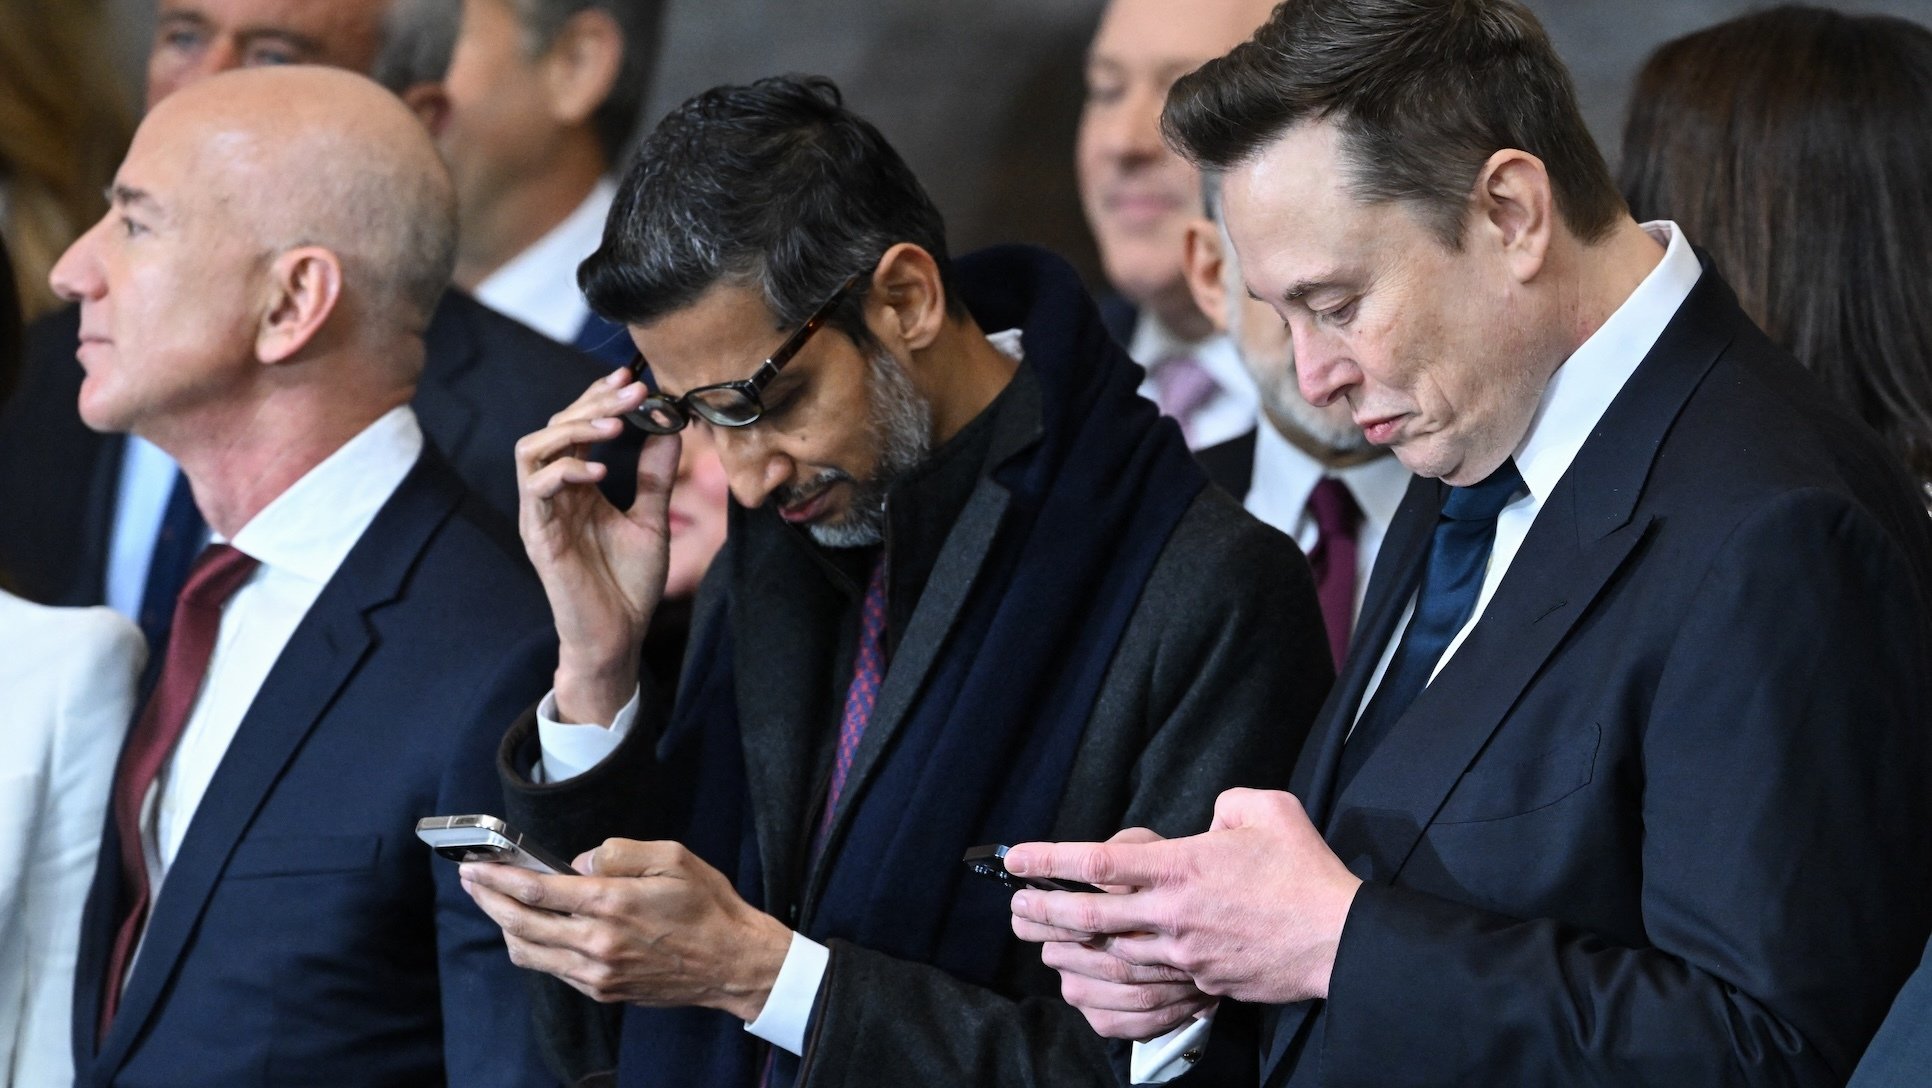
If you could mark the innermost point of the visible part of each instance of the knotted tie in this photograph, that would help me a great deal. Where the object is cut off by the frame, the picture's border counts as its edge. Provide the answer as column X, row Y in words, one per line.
column 217, row 574
column 1182, row 387
column 1451, row 582
column 1333, row 559
column 868, row 671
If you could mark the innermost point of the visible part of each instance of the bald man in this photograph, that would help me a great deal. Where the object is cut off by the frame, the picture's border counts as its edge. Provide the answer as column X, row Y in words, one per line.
column 253, row 304
column 1139, row 197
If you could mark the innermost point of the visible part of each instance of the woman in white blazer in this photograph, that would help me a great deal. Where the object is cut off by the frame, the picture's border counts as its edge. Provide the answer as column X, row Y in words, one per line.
column 67, row 680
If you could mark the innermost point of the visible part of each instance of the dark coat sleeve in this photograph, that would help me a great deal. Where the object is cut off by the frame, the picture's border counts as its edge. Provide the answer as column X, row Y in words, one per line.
column 1901, row 1055
column 1784, row 818
column 1215, row 685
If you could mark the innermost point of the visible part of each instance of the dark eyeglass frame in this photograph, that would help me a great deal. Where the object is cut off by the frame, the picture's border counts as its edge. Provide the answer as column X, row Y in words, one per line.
column 662, row 413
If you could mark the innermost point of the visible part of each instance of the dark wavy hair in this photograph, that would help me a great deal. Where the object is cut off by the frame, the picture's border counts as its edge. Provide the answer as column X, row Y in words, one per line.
column 774, row 186
column 1793, row 144
column 1423, row 92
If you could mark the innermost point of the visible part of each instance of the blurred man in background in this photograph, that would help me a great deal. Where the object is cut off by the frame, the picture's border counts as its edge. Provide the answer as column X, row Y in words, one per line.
column 1139, row 197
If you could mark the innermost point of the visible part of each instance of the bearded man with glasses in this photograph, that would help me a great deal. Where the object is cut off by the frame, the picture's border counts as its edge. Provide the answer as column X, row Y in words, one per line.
column 973, row 591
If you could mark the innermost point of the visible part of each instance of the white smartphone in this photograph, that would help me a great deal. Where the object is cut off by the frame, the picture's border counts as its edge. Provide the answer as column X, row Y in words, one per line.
column 486, row 838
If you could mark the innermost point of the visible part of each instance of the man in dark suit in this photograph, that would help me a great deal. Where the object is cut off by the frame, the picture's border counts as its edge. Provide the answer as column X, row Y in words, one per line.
column 253, row 304
column 109, row 511
column 1625, row 780
column 972, row 586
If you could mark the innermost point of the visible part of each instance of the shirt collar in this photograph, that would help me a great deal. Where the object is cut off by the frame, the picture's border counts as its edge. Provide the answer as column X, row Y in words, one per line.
column 539, row 285
column 309, row 529
column 1284, row 470
column 1582, row 388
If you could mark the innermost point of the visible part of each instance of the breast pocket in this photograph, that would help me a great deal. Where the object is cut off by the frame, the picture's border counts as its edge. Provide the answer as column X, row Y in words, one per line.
column 1501, row 785
column 303, row 855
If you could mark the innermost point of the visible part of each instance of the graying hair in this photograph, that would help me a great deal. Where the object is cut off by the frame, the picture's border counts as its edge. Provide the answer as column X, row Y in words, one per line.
column 639, row 21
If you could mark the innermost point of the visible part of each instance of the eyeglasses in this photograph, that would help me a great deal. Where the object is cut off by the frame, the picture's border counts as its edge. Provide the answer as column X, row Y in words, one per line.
column 731, row 404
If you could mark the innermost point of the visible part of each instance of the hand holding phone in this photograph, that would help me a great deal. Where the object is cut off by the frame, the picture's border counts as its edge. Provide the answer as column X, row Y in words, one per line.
column 486, row 838
column 990, row 861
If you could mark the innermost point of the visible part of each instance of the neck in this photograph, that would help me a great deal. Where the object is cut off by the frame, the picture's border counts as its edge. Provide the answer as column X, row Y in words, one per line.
column 495, row 231
column 1176, row 311
column 241, row 457
column 962, row 373
column 1607, row 274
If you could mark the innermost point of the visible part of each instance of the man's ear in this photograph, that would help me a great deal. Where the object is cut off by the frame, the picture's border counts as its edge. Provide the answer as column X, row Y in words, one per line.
column 304, row 286
column 1204, row 263
column 908, row 297
column 1516, row 210
column 430, row 103
column 582, row 64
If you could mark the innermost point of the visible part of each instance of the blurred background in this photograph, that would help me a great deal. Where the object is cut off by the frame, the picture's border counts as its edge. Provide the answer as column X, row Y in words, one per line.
column 981, row 96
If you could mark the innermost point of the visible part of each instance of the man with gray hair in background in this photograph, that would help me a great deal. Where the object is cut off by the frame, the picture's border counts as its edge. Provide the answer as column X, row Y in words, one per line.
column 543, row 95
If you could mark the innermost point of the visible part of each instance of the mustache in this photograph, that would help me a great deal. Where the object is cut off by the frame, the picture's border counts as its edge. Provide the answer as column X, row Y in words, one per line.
column 793, row 494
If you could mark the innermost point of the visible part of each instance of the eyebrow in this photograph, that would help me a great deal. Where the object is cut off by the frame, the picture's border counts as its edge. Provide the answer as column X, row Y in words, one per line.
column 1302, row 288
column 122, row 196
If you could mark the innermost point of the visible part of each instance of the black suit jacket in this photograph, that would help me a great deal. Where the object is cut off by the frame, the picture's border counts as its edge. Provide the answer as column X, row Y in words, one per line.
column 487, row 381
column 1666, row 816
column 303, row 934
column 1901, row 1055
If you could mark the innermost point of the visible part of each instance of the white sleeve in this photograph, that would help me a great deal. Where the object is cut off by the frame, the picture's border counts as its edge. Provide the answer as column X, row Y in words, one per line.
column 1158, row 1061
column 570, row 750
column 789, row 1007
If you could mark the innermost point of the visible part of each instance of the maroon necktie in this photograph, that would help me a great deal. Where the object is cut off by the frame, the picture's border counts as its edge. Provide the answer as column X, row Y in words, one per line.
column 217, row 574
column 868, row 671
column 1336, row 518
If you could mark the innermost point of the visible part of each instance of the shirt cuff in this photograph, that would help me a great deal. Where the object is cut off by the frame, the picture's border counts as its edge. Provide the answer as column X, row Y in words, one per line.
column 569, row 750
column 1158, row 1061
column 788, row 1011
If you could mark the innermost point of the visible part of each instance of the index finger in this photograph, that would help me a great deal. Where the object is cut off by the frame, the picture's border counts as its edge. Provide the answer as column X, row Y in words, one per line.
column 1085, row 916
column 610, row 396
column 1125, row 863
column 561, row 894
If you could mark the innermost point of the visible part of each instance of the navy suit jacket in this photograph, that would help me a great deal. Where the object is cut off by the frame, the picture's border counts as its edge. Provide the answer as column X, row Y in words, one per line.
column 303, row 934
column 1666, row 816
column 487, row 381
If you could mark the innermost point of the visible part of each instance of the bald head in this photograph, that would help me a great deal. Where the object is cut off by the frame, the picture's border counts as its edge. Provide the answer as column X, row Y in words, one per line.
column 309, row 156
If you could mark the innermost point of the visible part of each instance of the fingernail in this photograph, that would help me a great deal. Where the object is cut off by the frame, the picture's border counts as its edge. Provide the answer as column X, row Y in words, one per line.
column 617, row 377
column 1022, row 902
column 1016, row 864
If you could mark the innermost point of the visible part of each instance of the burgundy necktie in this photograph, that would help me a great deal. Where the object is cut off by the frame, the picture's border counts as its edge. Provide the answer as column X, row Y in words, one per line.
column 1183, row 387
column 217, row 574
column 868, row 671
column 1334, row 556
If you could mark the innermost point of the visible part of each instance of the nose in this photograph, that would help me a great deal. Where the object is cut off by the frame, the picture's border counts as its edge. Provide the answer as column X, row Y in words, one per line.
column 1323, row 369
column 1129, row 128
column 77, row 276
column 753, row 466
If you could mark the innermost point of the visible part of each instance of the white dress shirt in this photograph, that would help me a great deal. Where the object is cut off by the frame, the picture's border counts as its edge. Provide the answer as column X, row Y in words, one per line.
column 300, row 539
column 1574, row 400
column 539, row 285
column 1234, row 406
column 1285, row 478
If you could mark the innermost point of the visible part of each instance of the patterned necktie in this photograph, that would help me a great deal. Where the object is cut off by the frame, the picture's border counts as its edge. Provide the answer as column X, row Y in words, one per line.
column 1334, row 558
column 868, row 671
column 1451, row 582
column 217, row 574
column 1183, row 387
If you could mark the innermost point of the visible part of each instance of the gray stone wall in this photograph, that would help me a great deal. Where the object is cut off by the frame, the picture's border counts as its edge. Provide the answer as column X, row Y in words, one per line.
column 982, row 95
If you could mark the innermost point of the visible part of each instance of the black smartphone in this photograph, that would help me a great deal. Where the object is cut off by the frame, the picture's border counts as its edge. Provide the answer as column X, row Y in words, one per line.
column 990, row 862
column 486, row 838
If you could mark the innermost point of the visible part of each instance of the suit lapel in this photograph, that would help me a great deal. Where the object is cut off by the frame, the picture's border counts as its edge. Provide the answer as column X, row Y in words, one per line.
column 321, row 656
column 787, row 607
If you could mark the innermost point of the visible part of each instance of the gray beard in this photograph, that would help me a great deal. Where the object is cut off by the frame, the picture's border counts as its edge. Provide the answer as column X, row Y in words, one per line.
column 902, row 424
